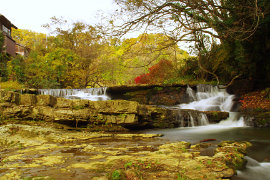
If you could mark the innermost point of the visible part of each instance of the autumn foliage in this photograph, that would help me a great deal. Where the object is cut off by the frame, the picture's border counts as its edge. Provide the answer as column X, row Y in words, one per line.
column 158, row 73
column 255, row 101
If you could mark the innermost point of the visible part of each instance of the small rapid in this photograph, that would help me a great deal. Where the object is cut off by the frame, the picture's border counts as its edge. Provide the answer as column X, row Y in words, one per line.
column 211, row 98
column 93, row 94
column 254, row 170
column 208, row 98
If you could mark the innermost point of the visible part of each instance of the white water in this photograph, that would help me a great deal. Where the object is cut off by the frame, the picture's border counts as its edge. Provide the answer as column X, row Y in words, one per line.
column 93, row 94
column 211, row 98
column 208, row 98
column 254, row 170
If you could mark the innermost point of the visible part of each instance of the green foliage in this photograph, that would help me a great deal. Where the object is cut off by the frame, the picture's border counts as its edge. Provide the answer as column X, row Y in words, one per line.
column 16, row 69
column 116, row 175
column 3, row 60
column 128, row 165
column 190, row 67
column 11, row 85
column 2, row 39
column 3, row 67
column 54, row 69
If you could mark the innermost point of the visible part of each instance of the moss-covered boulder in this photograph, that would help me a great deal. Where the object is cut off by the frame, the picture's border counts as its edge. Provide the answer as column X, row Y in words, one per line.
column 216, row 116
column 257, row 118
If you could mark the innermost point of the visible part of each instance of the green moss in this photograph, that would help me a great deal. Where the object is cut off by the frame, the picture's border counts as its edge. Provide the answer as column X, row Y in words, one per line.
column 263, row 121
column 158, row 88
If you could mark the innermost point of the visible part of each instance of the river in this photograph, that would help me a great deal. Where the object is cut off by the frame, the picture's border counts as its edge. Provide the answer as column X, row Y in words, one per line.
column 209, row 98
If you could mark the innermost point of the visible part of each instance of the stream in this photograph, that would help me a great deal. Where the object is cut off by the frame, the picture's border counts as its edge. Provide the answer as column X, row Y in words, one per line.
column 209, row 98
column 206, row 98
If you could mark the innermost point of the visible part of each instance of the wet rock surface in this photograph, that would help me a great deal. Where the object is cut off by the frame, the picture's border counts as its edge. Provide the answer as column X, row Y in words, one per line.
column 151, row 94
column 29, row 151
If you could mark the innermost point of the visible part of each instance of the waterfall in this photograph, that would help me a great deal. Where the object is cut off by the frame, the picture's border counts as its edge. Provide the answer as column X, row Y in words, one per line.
column 189, row 118
column 211, row 98
column 191, row 94
column 203, row 120
column 93, row 94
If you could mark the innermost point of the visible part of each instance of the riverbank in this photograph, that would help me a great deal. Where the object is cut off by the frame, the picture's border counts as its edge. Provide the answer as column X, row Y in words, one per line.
column 52, row 152
column 255, row 107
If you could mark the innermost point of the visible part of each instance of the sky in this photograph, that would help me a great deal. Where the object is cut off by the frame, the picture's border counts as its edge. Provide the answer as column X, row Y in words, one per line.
column 32, row 14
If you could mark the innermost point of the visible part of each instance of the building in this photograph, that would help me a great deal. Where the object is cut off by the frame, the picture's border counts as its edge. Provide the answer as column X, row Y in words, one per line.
column 9, row 44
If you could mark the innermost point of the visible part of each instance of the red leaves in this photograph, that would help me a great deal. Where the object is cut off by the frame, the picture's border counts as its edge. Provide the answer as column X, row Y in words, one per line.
column 255, row 101
column 157, row 73
column 142, row 79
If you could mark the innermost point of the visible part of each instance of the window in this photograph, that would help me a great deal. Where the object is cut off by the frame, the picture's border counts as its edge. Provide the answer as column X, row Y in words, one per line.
column 6, row 30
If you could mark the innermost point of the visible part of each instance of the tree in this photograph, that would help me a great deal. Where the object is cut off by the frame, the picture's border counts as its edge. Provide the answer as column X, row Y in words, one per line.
column 32, row 40
column 158, row 73
column 16, row 69
column 238, row 25
column 85, row 41
column 3, row 59
column 2, row 40
column 123, row 61
column 56, row 69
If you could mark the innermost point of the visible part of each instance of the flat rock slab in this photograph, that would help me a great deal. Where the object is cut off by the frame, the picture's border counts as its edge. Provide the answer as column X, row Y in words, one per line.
column 48, row 153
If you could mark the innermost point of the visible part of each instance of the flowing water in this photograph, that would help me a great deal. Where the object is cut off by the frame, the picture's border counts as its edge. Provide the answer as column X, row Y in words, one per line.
column 209, row 98
column 93, row 94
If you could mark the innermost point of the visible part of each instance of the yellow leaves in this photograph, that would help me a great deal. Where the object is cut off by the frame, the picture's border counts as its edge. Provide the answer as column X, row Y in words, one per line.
column 29, row 38
column 119, row 53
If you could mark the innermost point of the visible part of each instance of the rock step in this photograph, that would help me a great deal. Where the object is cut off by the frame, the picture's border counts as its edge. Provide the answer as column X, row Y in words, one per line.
column 129, row 114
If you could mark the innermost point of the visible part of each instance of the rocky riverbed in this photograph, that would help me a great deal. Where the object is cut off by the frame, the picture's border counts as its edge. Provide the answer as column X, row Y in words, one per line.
column 42, row 150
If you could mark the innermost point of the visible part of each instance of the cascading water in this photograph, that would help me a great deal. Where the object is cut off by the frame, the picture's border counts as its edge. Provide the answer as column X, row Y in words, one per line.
column 93, row 94
column 254, row 170
column 211, row 98
column 208, row 98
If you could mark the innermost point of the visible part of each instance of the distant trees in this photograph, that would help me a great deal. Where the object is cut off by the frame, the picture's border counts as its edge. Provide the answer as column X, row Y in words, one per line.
column 78, row 56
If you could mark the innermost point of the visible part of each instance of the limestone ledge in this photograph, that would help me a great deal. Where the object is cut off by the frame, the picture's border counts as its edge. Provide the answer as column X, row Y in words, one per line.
column 129, row 114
